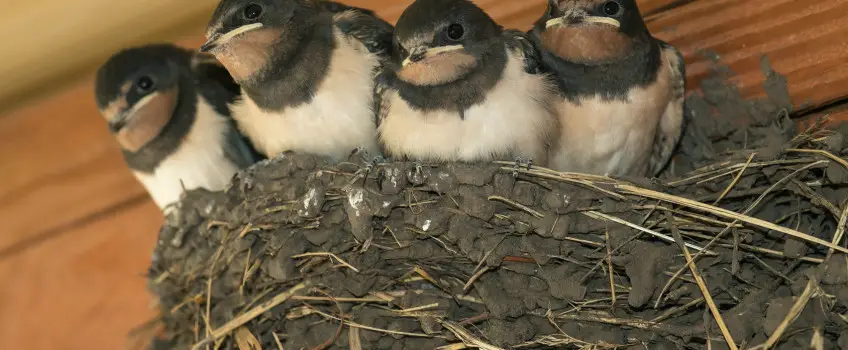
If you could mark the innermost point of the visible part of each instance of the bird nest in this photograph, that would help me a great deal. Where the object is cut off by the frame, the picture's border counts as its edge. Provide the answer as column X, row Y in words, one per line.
column 301, row 254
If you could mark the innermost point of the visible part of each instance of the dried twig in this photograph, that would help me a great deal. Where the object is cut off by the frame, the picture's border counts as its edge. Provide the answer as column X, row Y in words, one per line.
column 277, row 340
column 701, row 283
column 577, row 180
column 735, row 180
column 473, row 320
column 635, row 323
column 602, row 216
column 840, row 230
column 466, row 337
column 823, row 153
column 515, row 204
column 728, row 214
column 335, row 336
column 817, row 343
column 354, row 340
column 340, row 300
column 797, row 308
column 671, row 312
column 727, row 166
column 611, row 271
column 474, row 278
column 253, row 313
column 246, row 340
column 739, row 217
column 380, row 330
column 330, row 255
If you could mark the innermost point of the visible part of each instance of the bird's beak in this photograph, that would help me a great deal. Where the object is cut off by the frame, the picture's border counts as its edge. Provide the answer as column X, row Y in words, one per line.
column 575, row 16
column 124, row 117
column 136, row 126
column 421, row 53
column 217, row 40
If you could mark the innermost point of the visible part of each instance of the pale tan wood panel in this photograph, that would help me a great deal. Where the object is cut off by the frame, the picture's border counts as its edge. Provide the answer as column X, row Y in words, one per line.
column 85, row 193
column 46, row 40
column 83, row 290
column 59, row 158
column 60, row 164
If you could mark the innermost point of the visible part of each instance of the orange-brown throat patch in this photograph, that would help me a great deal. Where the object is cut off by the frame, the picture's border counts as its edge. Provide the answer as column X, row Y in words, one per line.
column 246, row 55
column 587, row 43
column 148, row 120
column 440, row 69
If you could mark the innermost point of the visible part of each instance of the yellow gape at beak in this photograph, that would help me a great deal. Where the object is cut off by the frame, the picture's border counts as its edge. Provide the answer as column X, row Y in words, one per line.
column 219, row 39
column 559, row 21
column 415, row 57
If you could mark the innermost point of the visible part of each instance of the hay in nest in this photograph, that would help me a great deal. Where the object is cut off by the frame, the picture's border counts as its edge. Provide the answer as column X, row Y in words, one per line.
column 299, row 254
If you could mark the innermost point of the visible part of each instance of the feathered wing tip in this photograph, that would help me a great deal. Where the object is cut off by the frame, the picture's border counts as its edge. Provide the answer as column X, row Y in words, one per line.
column 672, row 123
column 372, row 31
column 522, row 42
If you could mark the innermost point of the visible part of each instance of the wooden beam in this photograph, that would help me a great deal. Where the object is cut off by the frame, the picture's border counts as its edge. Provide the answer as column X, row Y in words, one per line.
column 83, row 290
column 46, row 41
column 804, row 40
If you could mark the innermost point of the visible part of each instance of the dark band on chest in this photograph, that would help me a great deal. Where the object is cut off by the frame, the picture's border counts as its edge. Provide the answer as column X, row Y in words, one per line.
column 610, row 81
column 462, row 94
column 297, row 68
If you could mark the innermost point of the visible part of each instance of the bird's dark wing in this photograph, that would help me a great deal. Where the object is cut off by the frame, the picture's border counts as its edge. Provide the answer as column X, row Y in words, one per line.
column 671, row 124
column 218, row 88
column 239, row 149
column 523, row 44
column 213, row 79
column 365, row 26
column 382, row 103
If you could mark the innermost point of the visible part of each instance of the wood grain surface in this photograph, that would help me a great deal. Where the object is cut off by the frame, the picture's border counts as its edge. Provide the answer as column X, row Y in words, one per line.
column 78, row 230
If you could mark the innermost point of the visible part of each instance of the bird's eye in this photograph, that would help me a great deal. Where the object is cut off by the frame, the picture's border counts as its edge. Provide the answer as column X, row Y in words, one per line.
column 403, row 51
column 252, row 11
column 612, row 8
column 144, row 84
column 456, row 32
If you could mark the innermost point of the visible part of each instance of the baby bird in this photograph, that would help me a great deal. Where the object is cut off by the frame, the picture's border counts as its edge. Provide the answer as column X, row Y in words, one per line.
column 307, row 71
column 621, row 90
column 465, row 89
column 168, row 109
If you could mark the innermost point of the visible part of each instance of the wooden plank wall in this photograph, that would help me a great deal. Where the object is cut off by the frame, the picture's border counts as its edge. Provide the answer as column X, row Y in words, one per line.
column 78, row 230
column 49, row 41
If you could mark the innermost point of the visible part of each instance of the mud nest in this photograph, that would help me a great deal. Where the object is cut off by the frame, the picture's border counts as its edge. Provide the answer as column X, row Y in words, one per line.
column 300, row 254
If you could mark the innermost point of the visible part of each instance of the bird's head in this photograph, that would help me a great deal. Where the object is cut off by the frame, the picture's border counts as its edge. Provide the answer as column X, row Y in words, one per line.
column 243, row 34
column 137, row 91
column 441, row 41
column 591, row 31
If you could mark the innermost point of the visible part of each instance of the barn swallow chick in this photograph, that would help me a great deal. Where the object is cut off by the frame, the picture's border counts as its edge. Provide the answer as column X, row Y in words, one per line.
column 307, row 72
column 465, row 89
column 168, row 109
column 621, row 106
